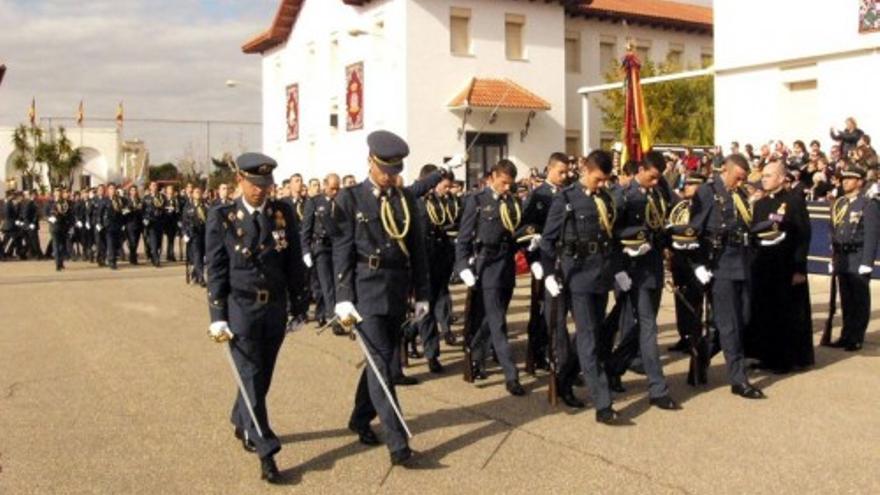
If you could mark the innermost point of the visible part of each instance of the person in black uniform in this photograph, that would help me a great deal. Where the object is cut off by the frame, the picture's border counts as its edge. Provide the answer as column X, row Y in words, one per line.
column 30, row 219
column 535, row 209
column 577, row 259
column 379, row 259
column 171, row 221
column 780, row 333
column 59, row 214
column 88, row 227
column 316, row 236
column 223, row 198
column 154, row 219
column 77, row 205
column 11, row 225
column 112, row 214
column 855, row 234
column 641, row 229
column 721, row 218
column 134, row 222
column 489, row 224
column 98, row 225
column 195, row 217
column 255, row 282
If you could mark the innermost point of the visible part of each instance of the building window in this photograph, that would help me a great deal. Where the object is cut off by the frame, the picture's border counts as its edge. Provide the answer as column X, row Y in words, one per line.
column 573, row 143
column 572, row 52
column 706, row 58
column 643, row 50
column 460, row 31
column 514, row 25
column 675, row 55
column 607, row 56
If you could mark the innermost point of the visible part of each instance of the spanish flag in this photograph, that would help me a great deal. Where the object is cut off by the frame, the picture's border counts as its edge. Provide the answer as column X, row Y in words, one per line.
column 32, row 112
column 637, row 139
column 120, row 115
column 80, row 114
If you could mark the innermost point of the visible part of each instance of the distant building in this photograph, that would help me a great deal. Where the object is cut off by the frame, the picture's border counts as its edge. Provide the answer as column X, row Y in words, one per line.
column 498, row 78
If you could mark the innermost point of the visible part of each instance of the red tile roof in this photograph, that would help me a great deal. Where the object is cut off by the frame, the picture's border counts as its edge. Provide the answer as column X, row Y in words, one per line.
column 503, row 93
column 655, row 12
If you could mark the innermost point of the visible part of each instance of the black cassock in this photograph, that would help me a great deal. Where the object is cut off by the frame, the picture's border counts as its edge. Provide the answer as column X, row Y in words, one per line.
column 780, row 334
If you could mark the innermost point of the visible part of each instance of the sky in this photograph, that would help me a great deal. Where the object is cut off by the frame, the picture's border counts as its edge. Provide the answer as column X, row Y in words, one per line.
column 165, row 59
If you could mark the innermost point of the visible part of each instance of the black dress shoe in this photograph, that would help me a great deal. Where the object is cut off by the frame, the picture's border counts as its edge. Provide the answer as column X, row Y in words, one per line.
column 665, row 402
column 400, row 457
column 571, row 400
column 607, row 416
column 449, row 338
column 616, row 384
column 577, row 381
column 246, row 443
column 853, row 347
column 747, row 391
column 681, row 346
column 479, row 372
column 404, row 381
column 541, row 363
column 514, row 387
column 365, row 434
column 434, row 366
column 269, row 471
column 838, row 344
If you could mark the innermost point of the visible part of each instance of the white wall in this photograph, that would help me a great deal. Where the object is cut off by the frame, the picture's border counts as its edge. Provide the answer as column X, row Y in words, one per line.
column 435, row 77
column 761, row 49
column 592, row 32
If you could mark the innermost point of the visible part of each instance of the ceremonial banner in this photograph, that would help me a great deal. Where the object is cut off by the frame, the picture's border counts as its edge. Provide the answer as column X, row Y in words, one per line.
column 636, row 133
column 293, row 112
column 869, row 16
column 354, row 96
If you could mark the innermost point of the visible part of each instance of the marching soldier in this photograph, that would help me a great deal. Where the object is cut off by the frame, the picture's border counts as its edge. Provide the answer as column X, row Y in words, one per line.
column 855, row 234
column 88, row 228
column 30, row 219
column 577, row 258
column 95, row 216
column 721, row 218
column 112, row 214
column 134, row 223
column 535, row 210
column 11, row 225
column 379, row 258
column 195, row 216
column 78, row 205
column 59, row 214
column 641, row 229
column 154, row 218
column 171, row 223
column 223, row 198
column 317, row 247
column 489, row 224
column 255, row 281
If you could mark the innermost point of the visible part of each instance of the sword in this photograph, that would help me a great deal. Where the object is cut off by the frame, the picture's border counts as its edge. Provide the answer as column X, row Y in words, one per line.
column 242, row 391
column 372, row 364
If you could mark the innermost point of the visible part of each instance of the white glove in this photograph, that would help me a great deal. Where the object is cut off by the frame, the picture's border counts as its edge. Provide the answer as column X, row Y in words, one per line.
column 467, row 276
column 634, row 253
column 185, row 239
column 534, row 243
column 690, row 246
column 88, row 225
column 865, row 270
column 422, row 308
column 552, row 286
column 146, row 222
column 830, row 267
column 774, row 242
column 19, row 223
column 703, row 274
column 624, row 283
column 179, row 225
column 219, row 331
column 345, row 310
column 51, row 219
column 32, row 226
column 537, row 270
column 79, row 224
column 98, row 227
column 307, row 259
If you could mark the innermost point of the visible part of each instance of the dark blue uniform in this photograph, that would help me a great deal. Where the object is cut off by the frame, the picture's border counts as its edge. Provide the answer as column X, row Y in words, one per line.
column 154, row 218
column 172, row 223
column 112, row 218
column 30, row 218
column 377, row 274
column 255, row 280
column 194, row 219
column 134, row 226
column 59, row 214
column 98, row 229
column 316, row 240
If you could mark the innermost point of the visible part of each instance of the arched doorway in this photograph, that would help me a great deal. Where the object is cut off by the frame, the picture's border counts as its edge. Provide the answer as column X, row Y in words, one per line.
column 93, row 171
column 13, row 178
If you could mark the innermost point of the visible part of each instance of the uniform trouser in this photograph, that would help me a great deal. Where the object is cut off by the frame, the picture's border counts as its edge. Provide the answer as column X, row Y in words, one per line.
column 197, row 256
column 87, row 237
column 59, row 240
column 491, row 310
column 855, row 303
column 114, row 242
column 427, row 326
column 381, row 335
column 324, row 269
column 32, row 238
column 171, row 232
column 133, row 232
column 443, row 309
column 646, row 302
column 564, row 345
column 100, row 245
column 154, row 231
column 589, row 313
column 317, row 295
column 255, row 361
column 731, row 303
column 537, row 327
column 70, row 246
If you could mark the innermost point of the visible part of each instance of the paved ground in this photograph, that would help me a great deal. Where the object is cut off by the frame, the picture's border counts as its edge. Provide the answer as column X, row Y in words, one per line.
column 108, row 384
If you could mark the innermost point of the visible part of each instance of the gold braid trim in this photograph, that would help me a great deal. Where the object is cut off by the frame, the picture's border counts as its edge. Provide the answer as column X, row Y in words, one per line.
column 604, row 219
column 839, row 210
column 438, row 219
column 449, row 215
column 390, row 224
column 744, row 211
column 654, row 216
column 681, row 214
column 508, row 223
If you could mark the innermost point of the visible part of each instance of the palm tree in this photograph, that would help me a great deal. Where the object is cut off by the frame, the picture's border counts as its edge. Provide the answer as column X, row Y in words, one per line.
column 26, row 140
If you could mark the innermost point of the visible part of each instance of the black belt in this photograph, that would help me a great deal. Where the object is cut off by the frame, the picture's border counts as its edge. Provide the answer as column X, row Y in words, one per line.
column 585, row 248
column 846, row 247
column 260, row 296
column 377, row 262
column 730, row 239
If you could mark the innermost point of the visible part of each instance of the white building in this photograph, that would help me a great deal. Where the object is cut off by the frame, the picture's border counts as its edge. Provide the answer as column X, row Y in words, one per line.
column 496, row 78
column 791, row 70
column 102, row 158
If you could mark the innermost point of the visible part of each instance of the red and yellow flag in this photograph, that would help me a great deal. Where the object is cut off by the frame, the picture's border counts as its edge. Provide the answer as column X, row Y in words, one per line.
column 120, row 115
column 637, row 139
column 80, row 114
column 32, row 112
